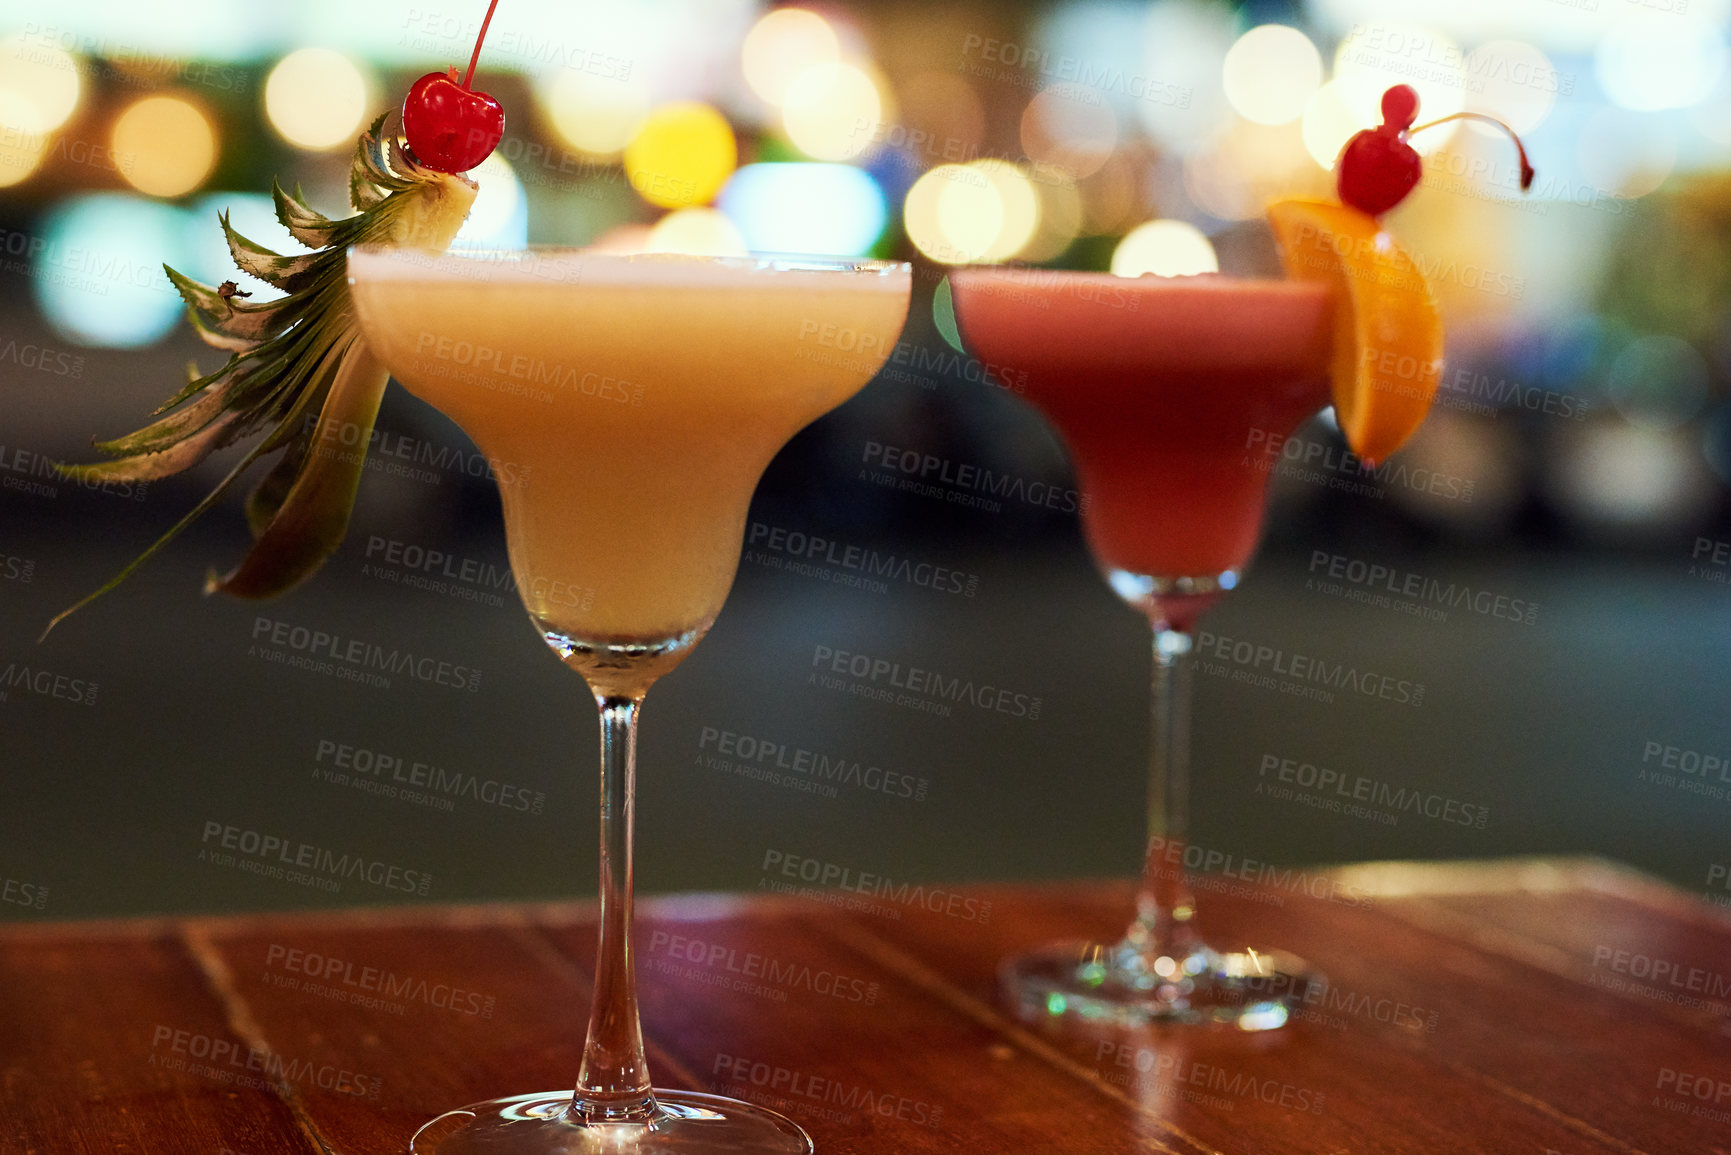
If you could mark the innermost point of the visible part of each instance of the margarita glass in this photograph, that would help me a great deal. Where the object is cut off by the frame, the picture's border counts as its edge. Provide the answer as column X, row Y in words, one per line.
column 637, row 400
column 1157, row 386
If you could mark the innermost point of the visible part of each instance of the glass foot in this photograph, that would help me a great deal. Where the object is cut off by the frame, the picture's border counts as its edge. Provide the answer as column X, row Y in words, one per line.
column 685, row 1123
column 1117, row 985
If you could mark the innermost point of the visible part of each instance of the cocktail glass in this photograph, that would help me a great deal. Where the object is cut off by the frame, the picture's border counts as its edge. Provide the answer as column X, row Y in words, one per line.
column 1162, row 388
column 629, row 406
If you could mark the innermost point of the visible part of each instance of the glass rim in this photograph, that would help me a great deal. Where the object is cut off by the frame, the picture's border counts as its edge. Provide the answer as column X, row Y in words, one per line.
column 764, row 261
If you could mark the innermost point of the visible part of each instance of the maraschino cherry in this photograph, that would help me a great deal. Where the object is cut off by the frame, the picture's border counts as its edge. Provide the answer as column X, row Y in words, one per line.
column 450, row 126
column 1378, row 168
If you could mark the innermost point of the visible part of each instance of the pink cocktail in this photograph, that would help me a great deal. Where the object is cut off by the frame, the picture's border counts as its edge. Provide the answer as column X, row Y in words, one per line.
column 1159, row 387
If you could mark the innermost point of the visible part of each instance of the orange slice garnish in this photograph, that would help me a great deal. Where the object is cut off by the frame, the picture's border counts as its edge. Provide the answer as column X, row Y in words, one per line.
column 1388, row 337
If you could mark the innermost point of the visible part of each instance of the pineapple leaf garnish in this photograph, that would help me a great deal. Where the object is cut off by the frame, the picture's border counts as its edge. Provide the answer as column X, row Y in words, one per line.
column 289, row 358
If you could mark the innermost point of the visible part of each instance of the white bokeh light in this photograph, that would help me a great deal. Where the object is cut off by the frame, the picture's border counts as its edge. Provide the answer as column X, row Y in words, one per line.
column 1178, row 91
column 40, row 82
column 1375, row 57
column 1270, row 74
column 500, row 218
column 1328, row 124
column 783, row 44
column 1627, row 154
column 1647, row 65
column 1164, row 248
column 1514, row 82
column 832, row 111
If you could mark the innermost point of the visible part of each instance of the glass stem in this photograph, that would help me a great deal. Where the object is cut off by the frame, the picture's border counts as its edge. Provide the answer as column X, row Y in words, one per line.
column 613, row 1085
column 1165, row 906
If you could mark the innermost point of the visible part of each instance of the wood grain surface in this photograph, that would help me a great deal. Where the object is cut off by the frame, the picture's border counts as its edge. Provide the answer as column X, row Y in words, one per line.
column 1568, row 1007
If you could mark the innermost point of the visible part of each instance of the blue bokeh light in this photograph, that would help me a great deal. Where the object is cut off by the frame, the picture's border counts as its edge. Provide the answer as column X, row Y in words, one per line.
column 820, row 209
column 98, row 276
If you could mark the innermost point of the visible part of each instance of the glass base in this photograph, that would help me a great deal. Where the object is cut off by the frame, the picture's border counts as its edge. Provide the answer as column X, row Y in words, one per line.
column 1115, row 985
column 685, row 1123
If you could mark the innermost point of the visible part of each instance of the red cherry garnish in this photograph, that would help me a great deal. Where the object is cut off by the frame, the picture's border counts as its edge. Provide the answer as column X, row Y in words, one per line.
column 451, row 127
column 1400, row 107
column 1378, row 168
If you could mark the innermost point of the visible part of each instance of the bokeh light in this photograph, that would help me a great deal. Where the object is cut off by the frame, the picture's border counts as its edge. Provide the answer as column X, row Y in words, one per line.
column 1616, row 479
column 682, row 155
column 500, row 216
column 1329, row 123
column 953, row 214
column 701, row 232
column 101, row 282
column 784, row 43
column 1270, row 74
column 1627, row 154
column 1070, row 126
column 1061, row 215
column 1165, row 248
column 164, row 146
column 1250, row 166
column 1669, row 62
column 21, row 152
column 1019, row 205
column 593, row 114
column 832, row 111
column 1711, row 116
column 1374, row 57
column 253, row 216
column 1517, row 84
column 830, row 209
column 316, row 99
column 39, row 85
column 1659, row 382
column 1178, row 90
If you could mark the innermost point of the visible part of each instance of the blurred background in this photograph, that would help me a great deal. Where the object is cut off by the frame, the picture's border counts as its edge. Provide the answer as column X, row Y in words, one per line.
column 1563, row 511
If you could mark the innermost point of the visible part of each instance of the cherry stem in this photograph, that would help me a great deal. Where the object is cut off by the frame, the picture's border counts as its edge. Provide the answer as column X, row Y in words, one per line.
column 1526, row 166
column 479, row 40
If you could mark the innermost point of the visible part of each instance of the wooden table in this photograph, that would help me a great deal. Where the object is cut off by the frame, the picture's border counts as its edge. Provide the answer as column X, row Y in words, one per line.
column 1530, row 1006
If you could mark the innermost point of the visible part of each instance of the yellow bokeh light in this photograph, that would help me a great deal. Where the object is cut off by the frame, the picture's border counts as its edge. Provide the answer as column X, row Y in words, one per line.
column 1376, row 57
column 1250, row 166
column 316, row 99
column 1020, row 206
column 164, row 146
column 701, row 232
column 1061, row 215
column 1270, row 72
column 682, row 155
column 952, row 214
column 832, row 111
column 21, row 152
column 1166, row 249
column 1070, row 126
column 783, row 44
column 593, row 115
column 44, row 81
column 1328, row 124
